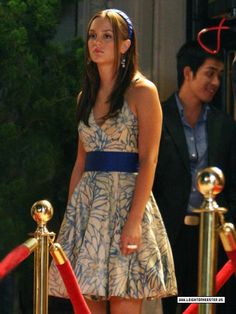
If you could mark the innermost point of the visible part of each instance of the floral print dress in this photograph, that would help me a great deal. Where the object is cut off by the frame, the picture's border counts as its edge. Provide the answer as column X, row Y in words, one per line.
column 93, row 221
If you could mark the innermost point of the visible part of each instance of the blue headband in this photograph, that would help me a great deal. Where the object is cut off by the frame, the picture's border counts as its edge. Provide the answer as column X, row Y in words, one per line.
column 126, row 18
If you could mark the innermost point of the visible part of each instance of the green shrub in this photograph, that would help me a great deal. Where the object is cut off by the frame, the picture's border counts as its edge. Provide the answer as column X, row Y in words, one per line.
column 39, row 82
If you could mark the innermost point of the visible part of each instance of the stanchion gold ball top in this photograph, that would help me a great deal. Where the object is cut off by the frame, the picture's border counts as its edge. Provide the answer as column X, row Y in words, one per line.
column 42, row 211
column 210, row 181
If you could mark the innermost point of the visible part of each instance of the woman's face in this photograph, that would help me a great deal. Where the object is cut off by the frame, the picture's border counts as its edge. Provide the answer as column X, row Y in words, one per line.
column 101, row 45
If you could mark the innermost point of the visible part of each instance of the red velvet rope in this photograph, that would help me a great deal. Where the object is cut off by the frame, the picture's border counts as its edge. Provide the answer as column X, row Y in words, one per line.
column 14, row 258
column 73, row 289
column 232, row 256
column 221, row 278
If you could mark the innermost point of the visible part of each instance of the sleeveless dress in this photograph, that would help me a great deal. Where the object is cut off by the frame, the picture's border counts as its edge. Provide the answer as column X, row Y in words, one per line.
column 93, row 221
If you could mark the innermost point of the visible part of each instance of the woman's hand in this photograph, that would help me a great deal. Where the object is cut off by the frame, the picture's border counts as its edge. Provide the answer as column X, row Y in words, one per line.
column 130, row 237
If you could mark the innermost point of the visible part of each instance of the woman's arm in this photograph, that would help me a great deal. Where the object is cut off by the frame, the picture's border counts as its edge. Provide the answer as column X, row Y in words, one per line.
column 78, row 169
column 149, row 114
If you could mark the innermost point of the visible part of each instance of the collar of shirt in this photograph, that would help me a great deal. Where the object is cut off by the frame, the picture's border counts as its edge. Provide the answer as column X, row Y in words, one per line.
column 203, row 115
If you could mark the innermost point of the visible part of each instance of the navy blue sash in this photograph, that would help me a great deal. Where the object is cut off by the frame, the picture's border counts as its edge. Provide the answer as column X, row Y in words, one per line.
column 111, row 161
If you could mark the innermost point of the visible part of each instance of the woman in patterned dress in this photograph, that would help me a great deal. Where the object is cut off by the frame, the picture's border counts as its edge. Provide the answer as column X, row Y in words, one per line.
column 112, row 230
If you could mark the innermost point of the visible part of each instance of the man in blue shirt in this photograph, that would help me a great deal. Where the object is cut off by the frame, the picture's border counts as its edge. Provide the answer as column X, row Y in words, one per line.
column 195, row 135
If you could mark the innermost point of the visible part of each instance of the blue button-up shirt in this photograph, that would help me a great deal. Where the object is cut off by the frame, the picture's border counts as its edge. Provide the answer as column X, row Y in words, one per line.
column 196, row 139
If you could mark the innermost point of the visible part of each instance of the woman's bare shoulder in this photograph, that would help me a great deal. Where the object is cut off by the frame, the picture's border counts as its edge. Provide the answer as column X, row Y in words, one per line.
column 142, row 87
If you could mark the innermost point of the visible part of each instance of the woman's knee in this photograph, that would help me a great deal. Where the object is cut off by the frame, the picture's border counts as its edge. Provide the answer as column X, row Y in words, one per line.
column 121, row 305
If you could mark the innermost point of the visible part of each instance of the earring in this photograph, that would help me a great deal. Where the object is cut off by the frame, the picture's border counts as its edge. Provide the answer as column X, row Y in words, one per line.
column 123, row 60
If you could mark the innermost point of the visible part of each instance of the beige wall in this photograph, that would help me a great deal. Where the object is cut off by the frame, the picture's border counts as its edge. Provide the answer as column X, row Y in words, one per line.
column 161, row 29
column 170, row 34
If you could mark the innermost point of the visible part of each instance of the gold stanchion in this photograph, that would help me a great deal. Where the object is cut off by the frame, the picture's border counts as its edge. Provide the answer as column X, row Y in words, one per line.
column 42, row 212
column 210, row 182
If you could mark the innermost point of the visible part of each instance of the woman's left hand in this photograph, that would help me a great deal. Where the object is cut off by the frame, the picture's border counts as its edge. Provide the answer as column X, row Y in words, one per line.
column 130, row 237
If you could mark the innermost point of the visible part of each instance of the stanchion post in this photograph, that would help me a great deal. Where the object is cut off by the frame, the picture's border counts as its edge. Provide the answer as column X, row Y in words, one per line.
column 42, row 212
column 210, row 182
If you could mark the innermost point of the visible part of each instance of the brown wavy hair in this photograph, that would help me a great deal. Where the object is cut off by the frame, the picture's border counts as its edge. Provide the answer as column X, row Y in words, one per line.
column 124, row 76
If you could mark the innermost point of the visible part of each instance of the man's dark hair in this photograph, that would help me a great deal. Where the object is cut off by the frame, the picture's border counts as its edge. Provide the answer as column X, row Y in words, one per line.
column 193, row 55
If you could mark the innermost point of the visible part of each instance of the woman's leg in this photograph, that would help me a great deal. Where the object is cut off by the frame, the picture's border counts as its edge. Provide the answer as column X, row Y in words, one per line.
column 121, row 306
column 97, row 307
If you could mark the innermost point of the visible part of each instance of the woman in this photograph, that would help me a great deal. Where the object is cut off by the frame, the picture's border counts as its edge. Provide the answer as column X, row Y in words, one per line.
column 112, row 230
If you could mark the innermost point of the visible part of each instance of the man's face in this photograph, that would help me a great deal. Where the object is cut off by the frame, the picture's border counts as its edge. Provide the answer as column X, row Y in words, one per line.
column 206, row 81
